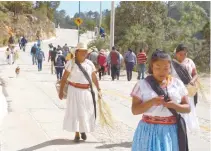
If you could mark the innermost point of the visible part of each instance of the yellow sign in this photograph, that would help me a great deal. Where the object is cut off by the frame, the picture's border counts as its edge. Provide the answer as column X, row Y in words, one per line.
column 78, row 21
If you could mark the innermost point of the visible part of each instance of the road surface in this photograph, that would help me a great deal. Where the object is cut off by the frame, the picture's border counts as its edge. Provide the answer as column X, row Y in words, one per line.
column 36, row 114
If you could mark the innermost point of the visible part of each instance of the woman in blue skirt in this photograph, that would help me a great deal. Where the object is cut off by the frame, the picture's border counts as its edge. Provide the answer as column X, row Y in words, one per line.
column 157, row 130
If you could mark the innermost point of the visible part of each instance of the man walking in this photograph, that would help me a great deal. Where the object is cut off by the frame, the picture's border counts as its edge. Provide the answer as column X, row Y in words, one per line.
column 52, row 57
column 40, row 59
column 114, row 61
column 130, row 62
column 141, row 58
column 59, row 64
column 33, row 53
column 66, row 50
column 23, row 43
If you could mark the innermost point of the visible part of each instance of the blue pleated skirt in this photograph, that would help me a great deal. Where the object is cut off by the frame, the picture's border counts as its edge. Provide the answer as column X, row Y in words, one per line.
column 155, row 137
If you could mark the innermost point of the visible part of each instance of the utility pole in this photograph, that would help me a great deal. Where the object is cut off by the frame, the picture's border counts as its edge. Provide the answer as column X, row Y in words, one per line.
column 79, row 17
column 112, row 22
column 100, row 14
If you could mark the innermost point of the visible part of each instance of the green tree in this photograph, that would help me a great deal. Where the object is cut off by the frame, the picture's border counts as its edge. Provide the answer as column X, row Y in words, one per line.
column 19, row 7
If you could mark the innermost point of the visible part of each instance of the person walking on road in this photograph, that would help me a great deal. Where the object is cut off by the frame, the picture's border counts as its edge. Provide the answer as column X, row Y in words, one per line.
column 52, row 56
column 19, row 42
column 102, row 61
column 80, row 114
column 93, row 57
column 11, row 54
column 11, row 39
column 40, row 58
column 130, row 62
column 59, row 64
column 39, row 42
column 184, row 69
column 33, row 53
column 107, row 52
column 114, row 61
column 141, row 59
column 23, row 43
column 66, row 50
column 158, row 129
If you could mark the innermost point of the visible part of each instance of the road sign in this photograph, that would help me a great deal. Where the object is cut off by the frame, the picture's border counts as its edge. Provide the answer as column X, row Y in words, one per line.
column 78, row 21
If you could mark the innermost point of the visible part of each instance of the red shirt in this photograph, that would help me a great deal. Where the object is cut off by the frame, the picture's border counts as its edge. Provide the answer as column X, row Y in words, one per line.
column 141, row 57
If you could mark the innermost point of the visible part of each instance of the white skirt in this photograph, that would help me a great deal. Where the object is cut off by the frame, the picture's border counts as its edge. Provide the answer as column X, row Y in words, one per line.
column 79, row 115
column 191, row 119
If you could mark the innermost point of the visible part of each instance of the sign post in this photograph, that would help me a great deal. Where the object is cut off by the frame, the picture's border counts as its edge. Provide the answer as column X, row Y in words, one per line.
column 78, row 22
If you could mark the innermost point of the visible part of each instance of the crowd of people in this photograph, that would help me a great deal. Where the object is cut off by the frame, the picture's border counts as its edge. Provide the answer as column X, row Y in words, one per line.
column 161, row 96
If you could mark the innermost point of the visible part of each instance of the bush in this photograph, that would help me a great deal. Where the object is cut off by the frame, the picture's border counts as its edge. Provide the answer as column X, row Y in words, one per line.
column 82, row 31
column 100, row 43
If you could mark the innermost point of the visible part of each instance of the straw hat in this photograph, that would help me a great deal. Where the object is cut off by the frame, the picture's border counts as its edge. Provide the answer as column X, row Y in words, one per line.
column 90, row 50
column 95, row 49
column 81, row 46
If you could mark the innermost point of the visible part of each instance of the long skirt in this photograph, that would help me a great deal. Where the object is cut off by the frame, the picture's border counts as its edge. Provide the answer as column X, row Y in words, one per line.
column 79, row 116
column 191, row 119
column 155, row 137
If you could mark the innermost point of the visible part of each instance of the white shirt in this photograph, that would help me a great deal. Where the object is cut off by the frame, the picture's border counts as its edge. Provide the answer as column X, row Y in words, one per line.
column 176, row 90
column 76, row 75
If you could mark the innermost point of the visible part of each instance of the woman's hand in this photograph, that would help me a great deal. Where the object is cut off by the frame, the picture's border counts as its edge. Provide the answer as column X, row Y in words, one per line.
column 158, row 101
column 61, row 95
column 192, row 83
column 171, row 104
column 99, row 94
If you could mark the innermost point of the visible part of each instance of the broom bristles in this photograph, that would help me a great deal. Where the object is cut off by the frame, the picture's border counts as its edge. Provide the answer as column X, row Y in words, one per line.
column 105, row 114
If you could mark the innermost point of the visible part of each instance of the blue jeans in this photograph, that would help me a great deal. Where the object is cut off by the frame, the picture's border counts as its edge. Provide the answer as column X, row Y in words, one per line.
column 141, row 70
column 39, row 65
column 129, row 68
column 34, row 59
column 59, row 72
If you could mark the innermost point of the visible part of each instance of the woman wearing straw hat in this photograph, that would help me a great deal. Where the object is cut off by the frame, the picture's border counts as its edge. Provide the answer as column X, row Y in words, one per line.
column 81, row 106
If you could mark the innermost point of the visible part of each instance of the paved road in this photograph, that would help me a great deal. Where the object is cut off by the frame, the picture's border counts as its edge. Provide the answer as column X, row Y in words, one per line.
column 35, row 120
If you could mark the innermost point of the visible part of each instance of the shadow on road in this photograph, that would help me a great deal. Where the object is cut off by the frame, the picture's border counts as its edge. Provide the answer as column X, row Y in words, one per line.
column 54, row 142
column 123, row 144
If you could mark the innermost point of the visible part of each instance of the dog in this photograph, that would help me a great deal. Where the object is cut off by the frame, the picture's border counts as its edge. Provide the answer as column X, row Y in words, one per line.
column 17, row 71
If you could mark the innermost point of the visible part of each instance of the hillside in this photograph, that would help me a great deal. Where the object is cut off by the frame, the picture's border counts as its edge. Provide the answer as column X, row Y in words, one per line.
column 25, row 18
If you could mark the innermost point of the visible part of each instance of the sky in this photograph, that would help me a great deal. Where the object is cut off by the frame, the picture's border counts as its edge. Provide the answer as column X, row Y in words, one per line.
column 71, row 7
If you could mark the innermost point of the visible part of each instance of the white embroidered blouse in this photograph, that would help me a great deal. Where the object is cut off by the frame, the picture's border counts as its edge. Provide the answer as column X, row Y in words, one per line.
column 143, row 91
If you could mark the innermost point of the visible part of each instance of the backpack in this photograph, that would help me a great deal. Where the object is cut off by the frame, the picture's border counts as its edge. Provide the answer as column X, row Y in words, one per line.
column 114, row 57
column 34, row 49
column 40, row 55
column 59, row 61
column 101, row 60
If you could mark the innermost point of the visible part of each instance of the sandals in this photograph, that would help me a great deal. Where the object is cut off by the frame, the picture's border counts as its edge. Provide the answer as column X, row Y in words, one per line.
column 83, row 136
column 77, row 138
